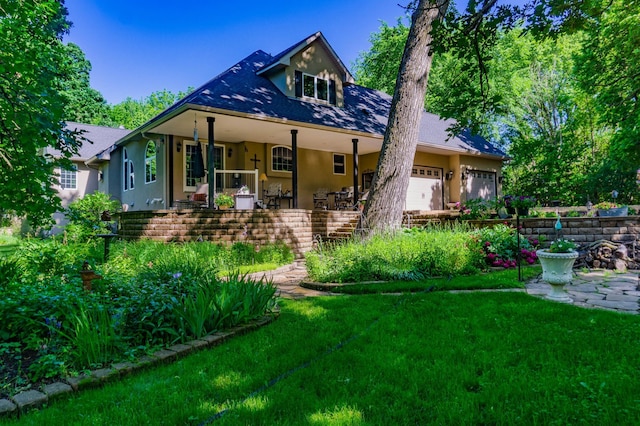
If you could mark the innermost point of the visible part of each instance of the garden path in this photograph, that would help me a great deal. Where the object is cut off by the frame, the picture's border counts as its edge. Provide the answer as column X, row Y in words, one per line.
column 590, row 289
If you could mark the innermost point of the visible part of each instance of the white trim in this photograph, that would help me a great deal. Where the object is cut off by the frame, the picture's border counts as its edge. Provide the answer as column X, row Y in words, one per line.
column 148, row 160
column 344, row 163
column 271, row 165
column 315, row 88
column 205, row 154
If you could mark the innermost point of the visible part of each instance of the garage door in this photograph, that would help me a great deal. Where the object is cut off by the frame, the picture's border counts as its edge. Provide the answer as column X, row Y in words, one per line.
column 425, row 189
column 481, row 184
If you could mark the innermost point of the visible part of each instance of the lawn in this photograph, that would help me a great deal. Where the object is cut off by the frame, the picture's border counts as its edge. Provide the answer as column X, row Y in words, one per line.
column 422, row 358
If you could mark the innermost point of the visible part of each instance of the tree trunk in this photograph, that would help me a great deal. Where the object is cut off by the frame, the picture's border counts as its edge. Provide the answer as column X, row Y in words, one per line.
column 388, row 191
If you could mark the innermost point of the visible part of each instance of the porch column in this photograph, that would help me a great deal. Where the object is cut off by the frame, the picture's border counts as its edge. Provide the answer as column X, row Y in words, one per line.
column 294, row 172
column 356, row 195
column 211, row 179
column 170, row 173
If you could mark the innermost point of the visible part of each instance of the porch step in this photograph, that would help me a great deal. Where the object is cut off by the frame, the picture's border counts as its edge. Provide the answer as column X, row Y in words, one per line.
column 345, row 231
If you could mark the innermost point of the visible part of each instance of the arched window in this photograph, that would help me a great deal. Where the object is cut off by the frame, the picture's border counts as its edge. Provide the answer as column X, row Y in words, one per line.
column 281, row 159
column 127, row 171
column 150, row 163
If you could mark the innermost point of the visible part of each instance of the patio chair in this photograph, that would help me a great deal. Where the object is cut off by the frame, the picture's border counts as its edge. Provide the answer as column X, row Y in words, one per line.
column 321, row 199
column 272, row 195
column 344, row 199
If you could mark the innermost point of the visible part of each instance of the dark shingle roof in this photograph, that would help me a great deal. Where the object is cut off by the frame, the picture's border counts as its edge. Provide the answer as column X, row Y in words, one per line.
column 242, row 89
column 98, row 138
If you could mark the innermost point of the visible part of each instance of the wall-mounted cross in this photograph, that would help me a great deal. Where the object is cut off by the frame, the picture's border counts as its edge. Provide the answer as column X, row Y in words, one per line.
column 255, row 161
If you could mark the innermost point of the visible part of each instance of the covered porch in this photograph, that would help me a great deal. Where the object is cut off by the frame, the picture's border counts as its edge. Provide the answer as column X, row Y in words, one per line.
column 279, row 163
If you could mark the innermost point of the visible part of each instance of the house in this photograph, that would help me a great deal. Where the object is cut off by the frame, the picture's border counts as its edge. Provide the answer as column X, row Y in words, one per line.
column 82, row 179
column 294, row 122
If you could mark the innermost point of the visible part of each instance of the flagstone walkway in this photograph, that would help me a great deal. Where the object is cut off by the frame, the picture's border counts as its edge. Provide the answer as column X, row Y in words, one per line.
column 592, row 289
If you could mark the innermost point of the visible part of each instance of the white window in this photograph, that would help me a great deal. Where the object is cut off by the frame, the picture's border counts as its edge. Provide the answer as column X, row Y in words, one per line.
column 127, row 171
column 339, row 164
column 281, row 159
column 189, row 160
column 150, row 163
column 69, row 178
column 315, row 87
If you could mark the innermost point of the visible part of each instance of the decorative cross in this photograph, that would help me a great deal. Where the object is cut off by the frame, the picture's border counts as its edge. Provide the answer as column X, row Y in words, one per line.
column 255, row 161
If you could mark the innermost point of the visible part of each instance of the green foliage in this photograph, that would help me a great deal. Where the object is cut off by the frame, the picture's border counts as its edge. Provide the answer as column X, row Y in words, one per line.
column 225, row 200
column 410, row 255
column 85, row 213
column 476, row 208
column 83, row 103
column 562, row 245
column 152, row 294
column 500, row 246
column 132, row 113
column 378, row 67
column 34, row 68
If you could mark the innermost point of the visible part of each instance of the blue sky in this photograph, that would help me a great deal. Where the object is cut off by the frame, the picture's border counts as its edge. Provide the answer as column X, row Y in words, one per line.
column 139, row 47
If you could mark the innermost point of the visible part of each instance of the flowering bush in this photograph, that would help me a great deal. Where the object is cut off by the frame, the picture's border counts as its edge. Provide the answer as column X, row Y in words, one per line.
column 224, row 200
column 606, row 205
column 562, row 245
column 474, row 209
column 500, row 246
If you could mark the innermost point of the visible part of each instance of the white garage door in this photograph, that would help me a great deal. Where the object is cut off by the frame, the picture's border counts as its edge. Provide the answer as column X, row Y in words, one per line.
column 481, row 184
column 425, row 189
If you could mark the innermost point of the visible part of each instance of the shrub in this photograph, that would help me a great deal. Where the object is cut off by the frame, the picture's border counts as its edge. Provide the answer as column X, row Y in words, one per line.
column 85, row 214
column 152, row 294
column 409, row 255
column 500, row 246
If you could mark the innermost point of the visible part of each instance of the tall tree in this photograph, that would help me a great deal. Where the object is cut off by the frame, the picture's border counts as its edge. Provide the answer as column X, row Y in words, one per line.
column 390, row 182
column 34, row 64
column 132, row 113
column 609, row 67
column 83, row 103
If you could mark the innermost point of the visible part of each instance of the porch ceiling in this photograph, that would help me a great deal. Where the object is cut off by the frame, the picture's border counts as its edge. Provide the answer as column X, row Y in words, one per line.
column 234, row 128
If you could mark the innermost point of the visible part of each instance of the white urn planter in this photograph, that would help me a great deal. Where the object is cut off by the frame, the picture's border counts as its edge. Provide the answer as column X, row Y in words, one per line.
column 557, row 270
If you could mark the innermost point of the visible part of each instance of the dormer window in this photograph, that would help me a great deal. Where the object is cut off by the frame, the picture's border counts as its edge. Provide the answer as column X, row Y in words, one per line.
column 314, row 87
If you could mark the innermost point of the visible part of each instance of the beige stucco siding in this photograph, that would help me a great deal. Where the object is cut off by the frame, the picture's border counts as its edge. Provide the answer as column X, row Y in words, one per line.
column 313, row 60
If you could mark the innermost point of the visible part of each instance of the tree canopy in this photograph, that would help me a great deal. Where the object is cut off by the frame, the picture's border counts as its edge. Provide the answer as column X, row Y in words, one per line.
column 531, row 80
column 33, row 65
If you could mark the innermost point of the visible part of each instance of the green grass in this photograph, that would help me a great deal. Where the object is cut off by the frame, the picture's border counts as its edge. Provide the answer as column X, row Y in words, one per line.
column 423, row 358
column 505, row 279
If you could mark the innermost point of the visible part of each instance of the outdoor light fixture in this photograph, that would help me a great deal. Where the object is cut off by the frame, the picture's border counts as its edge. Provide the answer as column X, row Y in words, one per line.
column 463, row 174
column 499, row 179
column 195, row 128
column 230, row 152
column 179, row 146
column 449, row 175
column 263, row 177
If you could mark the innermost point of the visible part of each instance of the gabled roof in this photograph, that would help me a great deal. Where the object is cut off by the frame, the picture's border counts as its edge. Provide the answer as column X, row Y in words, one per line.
column 283, row 59
column 244, row 89
column 98, row 139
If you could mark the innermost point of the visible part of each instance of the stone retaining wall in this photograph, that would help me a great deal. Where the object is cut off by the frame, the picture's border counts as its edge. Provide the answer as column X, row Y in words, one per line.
column 624, row 229
column 297, row 227
column 293, row 227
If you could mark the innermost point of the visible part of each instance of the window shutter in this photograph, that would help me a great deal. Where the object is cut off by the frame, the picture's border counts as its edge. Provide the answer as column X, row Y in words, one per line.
column 332, row 92
column 298, row 84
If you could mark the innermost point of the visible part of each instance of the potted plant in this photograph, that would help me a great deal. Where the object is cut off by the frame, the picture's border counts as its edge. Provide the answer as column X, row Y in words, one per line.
column 224, row 201
column 522, row 204
column 607, row 208
column 557, row 267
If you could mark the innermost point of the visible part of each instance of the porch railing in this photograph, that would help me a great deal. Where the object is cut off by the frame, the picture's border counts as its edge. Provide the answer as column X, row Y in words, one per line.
column 230, row 181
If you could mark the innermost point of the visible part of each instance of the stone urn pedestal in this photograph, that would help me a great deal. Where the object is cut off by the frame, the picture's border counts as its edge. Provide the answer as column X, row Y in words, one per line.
column 557, row 270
